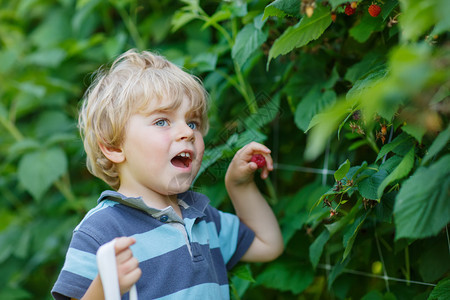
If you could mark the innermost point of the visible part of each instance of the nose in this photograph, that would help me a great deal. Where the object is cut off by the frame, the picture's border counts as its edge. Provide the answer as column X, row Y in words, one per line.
column 185, row 133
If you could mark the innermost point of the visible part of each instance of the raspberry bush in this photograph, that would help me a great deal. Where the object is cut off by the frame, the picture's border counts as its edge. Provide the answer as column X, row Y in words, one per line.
column 355, row 109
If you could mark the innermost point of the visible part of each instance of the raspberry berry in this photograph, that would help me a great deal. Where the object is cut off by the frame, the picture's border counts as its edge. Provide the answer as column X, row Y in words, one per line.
column 259, row 160
column 349, row 10
column 374, row 10
column 354, row 4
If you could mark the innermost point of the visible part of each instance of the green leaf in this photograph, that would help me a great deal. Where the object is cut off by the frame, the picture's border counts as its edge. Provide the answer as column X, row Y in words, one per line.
column 342, row 170
column 219, row 16
column 384, row 209
column 416, row 18
column 351, row 232
column 286, row 276
column 437, row 145
column 181, row 18
column 302, row 33
column 399, row 172
column 368, row 187
column 313, row 102
column 281, row 8
column 38, row 170
column 367, row 25
column 371, row 62
column 324, row 125
column 266, row 113
column 248, row 40
column 395, row 143
column 441, row 290
column 336, row 271
column 422, row 208
column 316, row 248
column 415, row 131
column 243, row 272
column 336, row 3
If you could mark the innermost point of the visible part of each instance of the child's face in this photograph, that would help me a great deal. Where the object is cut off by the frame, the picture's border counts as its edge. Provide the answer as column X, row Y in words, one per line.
column 162, row 151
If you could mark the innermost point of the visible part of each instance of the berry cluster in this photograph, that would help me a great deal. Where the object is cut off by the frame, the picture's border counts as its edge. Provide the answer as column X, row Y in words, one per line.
column 350, row 9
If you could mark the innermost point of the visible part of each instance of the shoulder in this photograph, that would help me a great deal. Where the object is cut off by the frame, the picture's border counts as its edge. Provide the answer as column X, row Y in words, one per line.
column 110, row 219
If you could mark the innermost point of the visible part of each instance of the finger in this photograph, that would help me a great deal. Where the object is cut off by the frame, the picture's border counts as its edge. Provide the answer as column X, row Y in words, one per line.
column 123, row 243
column 124, row 255
column 128, row 266
column 127, row 281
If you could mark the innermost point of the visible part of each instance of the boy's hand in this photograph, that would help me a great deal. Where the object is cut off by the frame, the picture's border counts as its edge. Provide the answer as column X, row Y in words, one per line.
column 128, row 269
column 241, row 169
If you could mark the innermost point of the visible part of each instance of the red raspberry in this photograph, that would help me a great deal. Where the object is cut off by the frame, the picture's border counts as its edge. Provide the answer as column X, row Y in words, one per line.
column 259, row 160
column 349, row 10
column 374, row 10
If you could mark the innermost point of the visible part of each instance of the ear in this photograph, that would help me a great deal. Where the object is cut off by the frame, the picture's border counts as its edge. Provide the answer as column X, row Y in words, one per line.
column 115, row 155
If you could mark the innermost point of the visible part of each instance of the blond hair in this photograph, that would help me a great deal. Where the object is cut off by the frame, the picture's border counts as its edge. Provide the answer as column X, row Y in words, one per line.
column 133, row 81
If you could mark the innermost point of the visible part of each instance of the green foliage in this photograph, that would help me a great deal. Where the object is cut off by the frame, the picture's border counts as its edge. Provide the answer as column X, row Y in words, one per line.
column 367, row 97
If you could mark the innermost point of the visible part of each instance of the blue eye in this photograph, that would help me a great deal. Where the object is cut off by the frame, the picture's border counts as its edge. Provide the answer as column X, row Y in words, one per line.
column 192, row 125
column 161, row 123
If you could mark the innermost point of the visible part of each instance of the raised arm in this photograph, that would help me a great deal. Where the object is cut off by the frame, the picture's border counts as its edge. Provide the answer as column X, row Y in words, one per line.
column 250, row 205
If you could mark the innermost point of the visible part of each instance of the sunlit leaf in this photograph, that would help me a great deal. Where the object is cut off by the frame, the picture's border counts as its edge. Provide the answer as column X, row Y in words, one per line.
column 306, row 30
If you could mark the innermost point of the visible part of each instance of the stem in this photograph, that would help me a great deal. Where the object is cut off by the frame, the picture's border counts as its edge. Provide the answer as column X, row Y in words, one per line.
column 372, row 143
column 11, row 128
column 132, row 29
column 65, row 190
column 408, row 270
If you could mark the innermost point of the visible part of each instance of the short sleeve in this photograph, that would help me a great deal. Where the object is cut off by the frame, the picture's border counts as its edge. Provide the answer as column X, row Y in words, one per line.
column 80, row 268
column 234, row 238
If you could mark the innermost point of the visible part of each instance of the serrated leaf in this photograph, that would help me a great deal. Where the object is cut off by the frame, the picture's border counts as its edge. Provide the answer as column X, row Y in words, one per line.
column 415, row 131
column 302, row 33
column 342, row 170
column 370, row 63
column 286, row 276
column 248, row 40
column 350, row 234
column 265, row 114
column 437, row 145
column 281, row 8
column 422, row 208
column 243, row 272
column 316, row 248
column 399, row 140
column 38, row 170
column 313, row 102
column 399, row 172
column 368, row 187
column 441, row 290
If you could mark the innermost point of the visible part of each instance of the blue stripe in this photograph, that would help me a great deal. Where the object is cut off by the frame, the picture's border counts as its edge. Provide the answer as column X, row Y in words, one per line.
column 146, row 248
column 102, row 205
column 228, row 235
column 205, row 233
column 201, row 291
column 81, row 263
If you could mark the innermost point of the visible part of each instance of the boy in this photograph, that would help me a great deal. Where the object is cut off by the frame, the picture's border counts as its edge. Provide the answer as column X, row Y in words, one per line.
column 143, row 123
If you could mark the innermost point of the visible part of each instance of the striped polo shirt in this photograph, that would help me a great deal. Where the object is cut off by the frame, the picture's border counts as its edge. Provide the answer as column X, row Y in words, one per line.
column 180, row 258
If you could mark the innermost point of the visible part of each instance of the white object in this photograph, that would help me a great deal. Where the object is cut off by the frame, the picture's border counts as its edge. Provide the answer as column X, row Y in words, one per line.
column 107, row 268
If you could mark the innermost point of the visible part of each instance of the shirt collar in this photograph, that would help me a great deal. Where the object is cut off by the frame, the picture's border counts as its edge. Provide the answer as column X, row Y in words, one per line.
column 192, row 205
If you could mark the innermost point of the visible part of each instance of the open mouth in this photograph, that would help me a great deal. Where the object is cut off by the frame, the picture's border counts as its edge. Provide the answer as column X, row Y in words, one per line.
column 182, row 160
